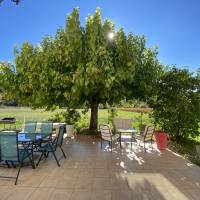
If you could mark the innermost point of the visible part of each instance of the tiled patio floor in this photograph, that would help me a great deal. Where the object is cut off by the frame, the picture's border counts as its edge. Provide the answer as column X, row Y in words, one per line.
column 92, row 173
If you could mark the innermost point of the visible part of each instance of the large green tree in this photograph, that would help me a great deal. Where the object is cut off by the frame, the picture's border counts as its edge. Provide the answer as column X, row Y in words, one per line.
column 85, row 66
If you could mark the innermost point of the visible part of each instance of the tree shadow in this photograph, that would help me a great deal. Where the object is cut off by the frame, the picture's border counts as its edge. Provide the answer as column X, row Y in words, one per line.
column 145, row 190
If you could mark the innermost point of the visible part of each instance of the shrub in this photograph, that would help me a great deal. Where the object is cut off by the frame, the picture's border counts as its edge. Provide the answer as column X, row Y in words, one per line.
column 176, row 107
column 82, row 124
column 70, row 116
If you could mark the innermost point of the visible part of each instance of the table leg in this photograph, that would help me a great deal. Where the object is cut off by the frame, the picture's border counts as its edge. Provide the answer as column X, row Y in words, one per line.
column 131, row 140
column 32, row 156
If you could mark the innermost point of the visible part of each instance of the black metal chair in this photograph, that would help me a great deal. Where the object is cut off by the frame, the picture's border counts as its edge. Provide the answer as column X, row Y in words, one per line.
column 11, row 154
column 107, row 135
column 51, row 146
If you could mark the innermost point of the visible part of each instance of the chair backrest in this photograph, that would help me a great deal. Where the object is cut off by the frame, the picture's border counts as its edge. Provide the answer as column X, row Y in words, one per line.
column 149, row 131
column 8, row 146
column 30, row 126
column 59, row 138
column 105, row 131
column 46, row 127
column 120, row 123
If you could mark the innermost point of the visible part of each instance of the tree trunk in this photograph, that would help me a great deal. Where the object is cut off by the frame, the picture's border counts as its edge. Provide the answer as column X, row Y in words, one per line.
column 94, row 116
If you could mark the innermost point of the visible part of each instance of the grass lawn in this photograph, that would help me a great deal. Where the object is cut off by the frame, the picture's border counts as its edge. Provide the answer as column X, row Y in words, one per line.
column 41, row 115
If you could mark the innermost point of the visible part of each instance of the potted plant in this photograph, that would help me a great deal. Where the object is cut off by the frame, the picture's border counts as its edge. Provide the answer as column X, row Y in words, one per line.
column 69, row 117
column 161, row 133
column 161, row 139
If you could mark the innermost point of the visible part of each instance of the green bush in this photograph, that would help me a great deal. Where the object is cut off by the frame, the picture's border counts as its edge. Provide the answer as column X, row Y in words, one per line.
column 70, row 116
column 176, row 108
column 82, row 123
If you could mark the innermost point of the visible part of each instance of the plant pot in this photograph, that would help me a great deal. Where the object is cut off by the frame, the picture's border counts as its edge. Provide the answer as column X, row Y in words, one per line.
column 198, row 150
column 161, row 140
column 70, row 130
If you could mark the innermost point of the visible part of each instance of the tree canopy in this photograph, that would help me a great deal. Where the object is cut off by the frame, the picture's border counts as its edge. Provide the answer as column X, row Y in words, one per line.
column 7, row 77
column 83, row 66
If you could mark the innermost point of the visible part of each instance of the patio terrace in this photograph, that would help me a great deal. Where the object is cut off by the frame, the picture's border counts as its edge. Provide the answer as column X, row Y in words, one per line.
column 92, row 173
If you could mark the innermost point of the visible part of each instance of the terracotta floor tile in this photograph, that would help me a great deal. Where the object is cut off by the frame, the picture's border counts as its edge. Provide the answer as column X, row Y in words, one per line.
column 90, row 172
column 81, row 195
column 61, row 194
column 41, row 194
column 101, row 195
column 22, row 193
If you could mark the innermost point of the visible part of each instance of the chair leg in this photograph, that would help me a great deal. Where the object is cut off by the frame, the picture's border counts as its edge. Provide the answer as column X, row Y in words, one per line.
column 32, row 151
column 46, row 155
column 101, row 143
column 151, row 144
column 54, row 155
column 63, row 153
column 12, row 163
column 31, row 161
column 120, row 142
column 20, row 166
column 144, row 146
column 40, row 159
column 111, row 145
column 131, row 141
column 7, row 164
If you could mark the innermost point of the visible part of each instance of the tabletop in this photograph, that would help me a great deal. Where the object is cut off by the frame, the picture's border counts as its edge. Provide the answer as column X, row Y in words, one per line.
column 31, row 137
column 127, row 130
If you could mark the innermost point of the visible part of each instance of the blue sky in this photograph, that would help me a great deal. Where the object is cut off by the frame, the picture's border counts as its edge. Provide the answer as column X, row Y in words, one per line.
column 172, row 25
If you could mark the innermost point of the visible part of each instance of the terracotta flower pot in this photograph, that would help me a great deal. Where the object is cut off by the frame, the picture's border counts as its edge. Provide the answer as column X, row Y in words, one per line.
column 161, row 140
